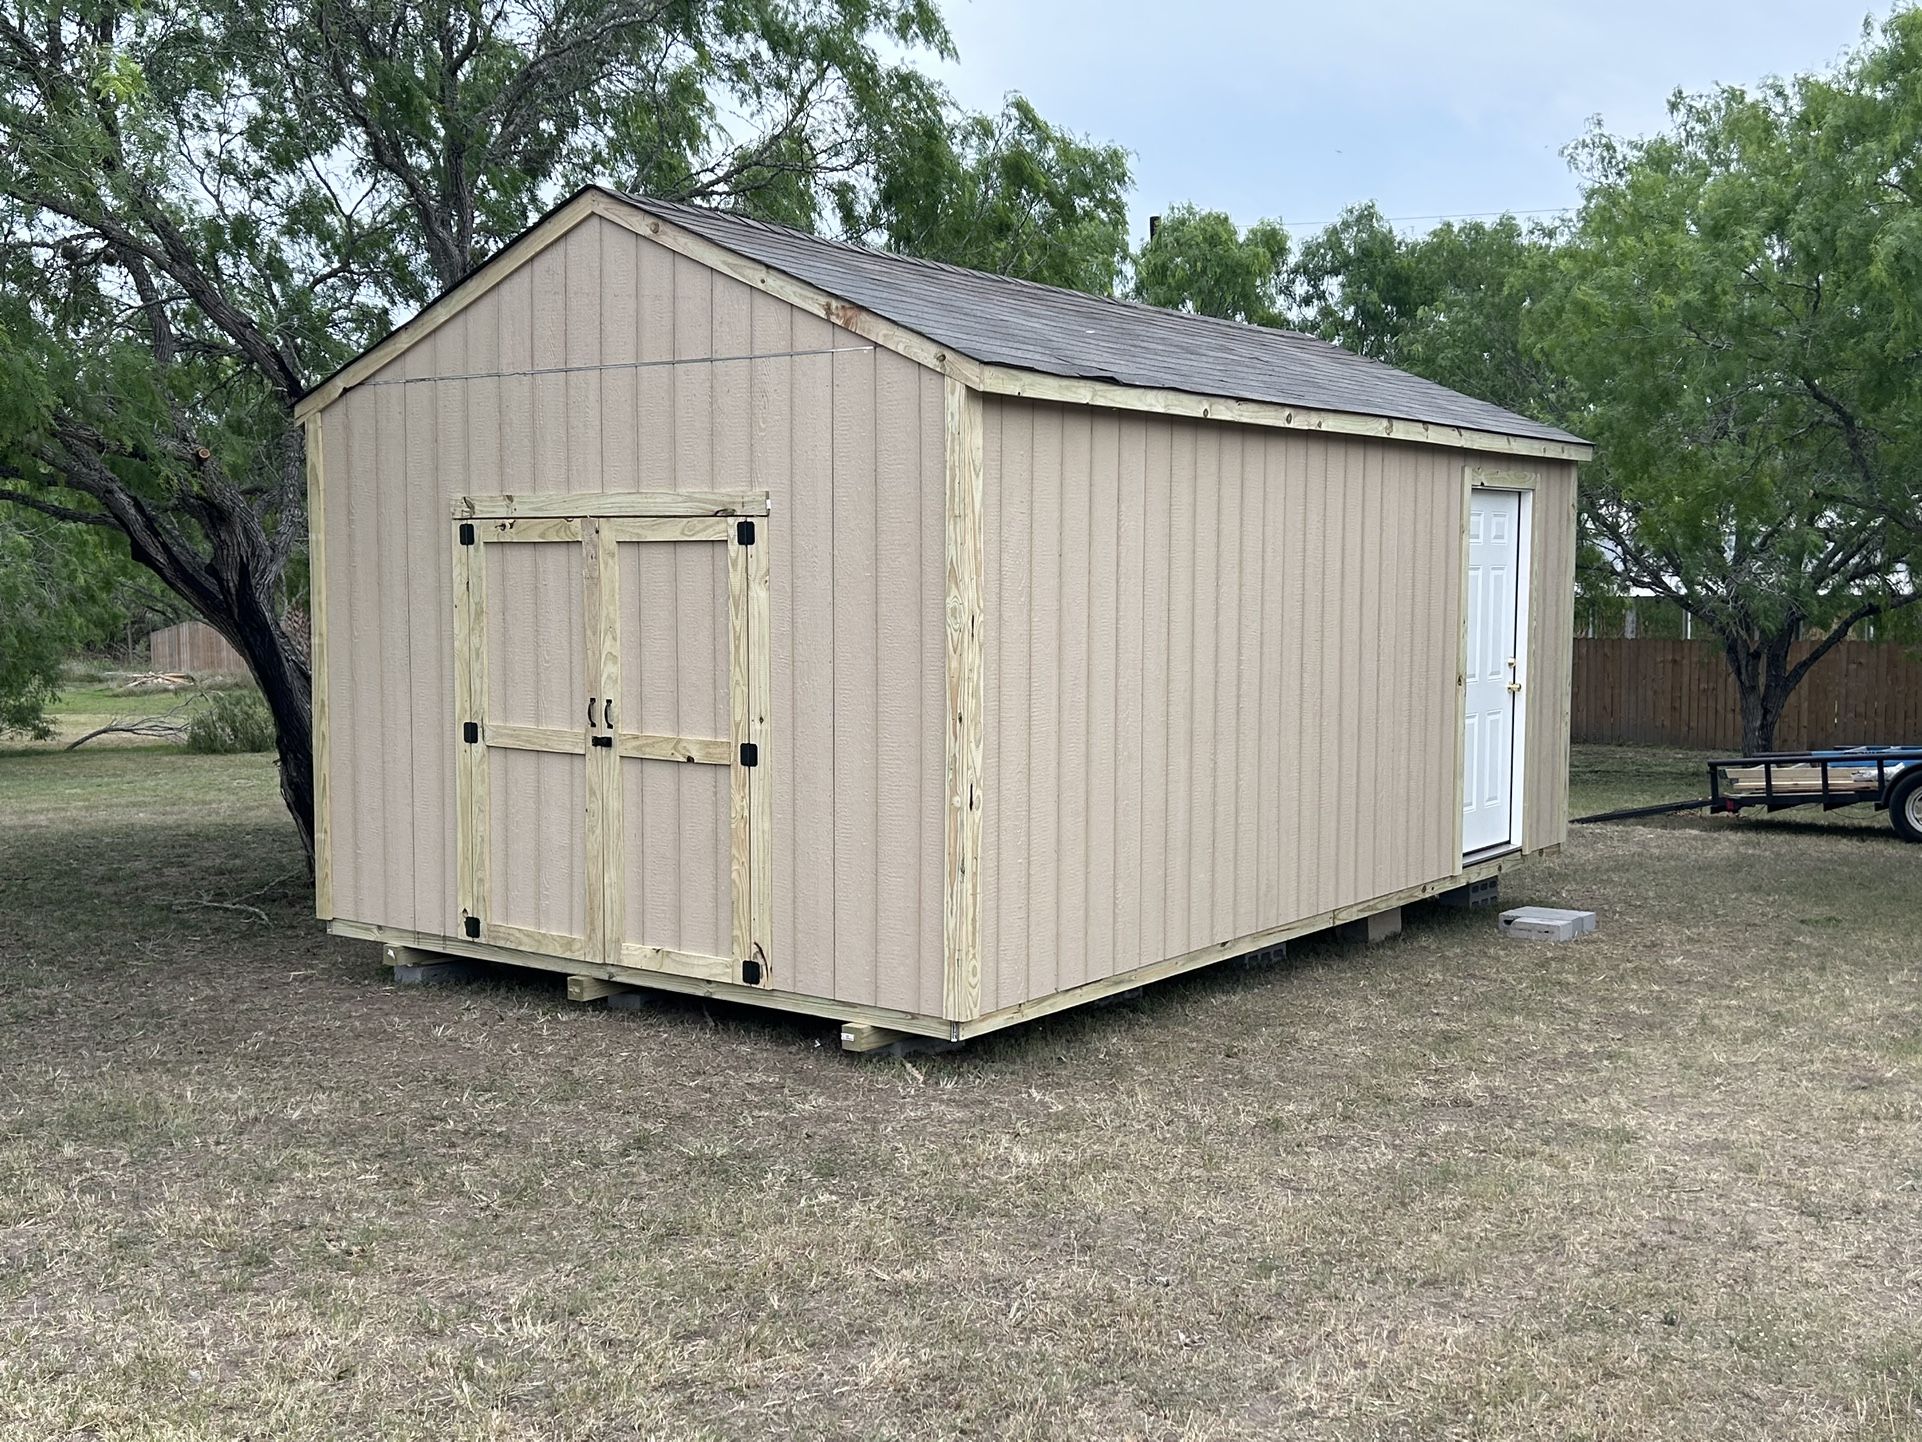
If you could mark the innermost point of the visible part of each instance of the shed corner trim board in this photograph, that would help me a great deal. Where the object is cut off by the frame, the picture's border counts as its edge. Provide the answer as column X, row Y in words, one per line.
column 966, row 692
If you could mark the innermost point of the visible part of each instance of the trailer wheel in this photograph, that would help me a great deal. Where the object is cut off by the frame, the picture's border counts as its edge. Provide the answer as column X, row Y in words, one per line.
column 1905, row 806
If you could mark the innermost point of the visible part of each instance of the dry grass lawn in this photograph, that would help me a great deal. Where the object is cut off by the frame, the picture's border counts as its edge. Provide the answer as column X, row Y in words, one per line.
column 1664, row 1182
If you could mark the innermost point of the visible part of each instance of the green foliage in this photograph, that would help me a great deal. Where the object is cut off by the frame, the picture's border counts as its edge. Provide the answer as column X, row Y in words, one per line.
column 230, row 721
column 61, row 588
column 1198, row 261
column 1737, row 315
column 1010, row 194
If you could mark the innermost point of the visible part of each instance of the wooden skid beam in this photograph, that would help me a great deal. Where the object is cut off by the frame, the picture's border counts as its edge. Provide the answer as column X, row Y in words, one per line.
column 863, row 1036
column 593, row 988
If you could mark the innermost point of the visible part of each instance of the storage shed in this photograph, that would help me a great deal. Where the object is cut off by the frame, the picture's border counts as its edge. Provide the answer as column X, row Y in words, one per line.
column 702, row 605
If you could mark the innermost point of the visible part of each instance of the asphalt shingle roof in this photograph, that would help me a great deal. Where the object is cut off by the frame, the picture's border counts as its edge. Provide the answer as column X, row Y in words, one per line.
column 1000, row 321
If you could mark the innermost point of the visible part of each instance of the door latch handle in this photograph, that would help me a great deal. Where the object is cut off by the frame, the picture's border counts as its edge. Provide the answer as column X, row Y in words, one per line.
column 592, row 701
column 607, row 713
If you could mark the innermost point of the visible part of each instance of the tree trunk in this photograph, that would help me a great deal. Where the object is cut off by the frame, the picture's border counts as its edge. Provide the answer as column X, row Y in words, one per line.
column 1762, row 684
column 286, row 684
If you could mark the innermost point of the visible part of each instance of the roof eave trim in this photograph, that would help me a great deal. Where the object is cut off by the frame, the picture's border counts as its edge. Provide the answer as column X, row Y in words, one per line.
column 1038, row 385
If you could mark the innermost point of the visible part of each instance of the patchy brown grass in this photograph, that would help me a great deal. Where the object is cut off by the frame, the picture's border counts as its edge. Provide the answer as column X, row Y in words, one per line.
column 1664, row 1182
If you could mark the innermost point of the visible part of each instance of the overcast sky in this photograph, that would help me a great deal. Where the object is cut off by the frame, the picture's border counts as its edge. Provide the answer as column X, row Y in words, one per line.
column 1430, row 107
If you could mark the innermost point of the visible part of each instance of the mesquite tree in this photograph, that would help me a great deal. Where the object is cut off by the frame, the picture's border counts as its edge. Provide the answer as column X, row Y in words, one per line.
column 203, row 208
column 1741, row 315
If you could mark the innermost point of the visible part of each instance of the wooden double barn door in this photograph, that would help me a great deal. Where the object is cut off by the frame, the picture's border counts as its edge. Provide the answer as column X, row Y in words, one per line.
column 611, row 681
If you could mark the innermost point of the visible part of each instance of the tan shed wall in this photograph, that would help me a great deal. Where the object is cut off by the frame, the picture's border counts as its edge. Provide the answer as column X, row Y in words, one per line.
column 1222, row 683
column 688, row 380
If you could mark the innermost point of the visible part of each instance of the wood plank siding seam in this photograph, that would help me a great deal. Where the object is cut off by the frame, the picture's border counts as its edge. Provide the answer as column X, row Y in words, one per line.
column 966, row 564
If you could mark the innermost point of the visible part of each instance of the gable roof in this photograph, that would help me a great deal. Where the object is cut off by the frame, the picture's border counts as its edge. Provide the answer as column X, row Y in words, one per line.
column 1001, row 321
column 1005, row 335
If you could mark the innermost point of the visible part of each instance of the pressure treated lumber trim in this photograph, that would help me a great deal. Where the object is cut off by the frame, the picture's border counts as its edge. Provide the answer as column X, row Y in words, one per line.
column 534, row 738
column 680, row 963
column 850, row 317
column 966, row 686
column 1461, row 669
column 526, row 938
column 539, row 528
column 740, row 842
column 817, row 1006
column 760, row 686
column 470, row 761
column 1034, row 385
column 1493, row 479
column 317, row 676
column 598, row 617
column 479, row 813
column 443, row 309
column 669, row 528
column 614, row 504
column 697, row 750
column 1223, row 951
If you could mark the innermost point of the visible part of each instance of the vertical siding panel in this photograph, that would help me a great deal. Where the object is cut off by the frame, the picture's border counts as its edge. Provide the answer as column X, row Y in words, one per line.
column 1203, row 760
column 1011, row 442
column 1251, row 715
column 1271, row 639
column 393, row 761
column 1152, row 660
column 654, row 383
column 1071, row 941
column 1330, row 713
column 933, row 685
column 548, row 273
column 581, row 354
column 1291, row 718
column 618, row 313
column 1184, row 683
column 343, row 706
column 1101, row 540
column 355, row 705
column 1126, row 948
column 807, row 847
column 1218, row 616
column 856, row 780
column 733, row 336
column 1047, row 670
column 1365, row 639
column 429, row 618
column 896, row 703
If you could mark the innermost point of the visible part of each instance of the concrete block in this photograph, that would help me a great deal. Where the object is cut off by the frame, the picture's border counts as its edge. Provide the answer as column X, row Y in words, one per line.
column 1368, row 930
column 1547, row 923
column 432, row 973
column 1486, row 892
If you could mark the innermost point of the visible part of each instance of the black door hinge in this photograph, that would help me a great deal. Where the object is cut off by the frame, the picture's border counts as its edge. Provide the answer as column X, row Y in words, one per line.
column 744, row 532
column 470, row 731
column 467, row 533
column 473, row 926
column 750, row 754
column 751, row 972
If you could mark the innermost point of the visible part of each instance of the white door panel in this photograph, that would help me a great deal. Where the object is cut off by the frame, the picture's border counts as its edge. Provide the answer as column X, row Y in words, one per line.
column 1492, row 689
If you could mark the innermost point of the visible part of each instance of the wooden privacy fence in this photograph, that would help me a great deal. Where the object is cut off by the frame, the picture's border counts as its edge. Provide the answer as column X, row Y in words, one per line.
column 195, row 649
column 1681, row 693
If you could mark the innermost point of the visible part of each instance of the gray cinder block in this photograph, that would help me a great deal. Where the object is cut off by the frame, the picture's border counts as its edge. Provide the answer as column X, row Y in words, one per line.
column 1547, row 923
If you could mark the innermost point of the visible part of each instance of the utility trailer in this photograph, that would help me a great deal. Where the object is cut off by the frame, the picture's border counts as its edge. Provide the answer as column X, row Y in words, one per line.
column 1890, row 777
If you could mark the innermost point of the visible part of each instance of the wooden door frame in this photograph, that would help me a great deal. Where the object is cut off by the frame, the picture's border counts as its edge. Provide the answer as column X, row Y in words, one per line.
column 598, row 523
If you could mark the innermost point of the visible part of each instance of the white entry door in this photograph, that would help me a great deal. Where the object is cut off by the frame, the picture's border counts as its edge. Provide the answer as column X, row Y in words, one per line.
column 1493, row 679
